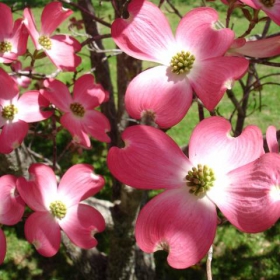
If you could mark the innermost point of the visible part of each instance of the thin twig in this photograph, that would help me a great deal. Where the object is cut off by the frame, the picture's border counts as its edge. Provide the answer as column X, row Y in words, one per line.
column 97, row 19
column 265, row 62
column 54, row 132
column 252, row 24
column 200, row 111
column 176, row 11
column 95, row 38
column 266, row 27
column 208, row 263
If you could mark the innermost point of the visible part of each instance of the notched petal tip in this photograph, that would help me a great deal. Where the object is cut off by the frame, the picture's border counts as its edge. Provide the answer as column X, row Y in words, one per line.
column 229, row 84
column 162, row 245
column 95, row 177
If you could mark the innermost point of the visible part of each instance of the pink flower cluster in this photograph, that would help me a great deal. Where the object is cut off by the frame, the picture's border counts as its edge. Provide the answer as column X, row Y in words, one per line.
column 55, row 207
column 61, row 49
column 17, row 111
column 201, row 61
column 234, row 175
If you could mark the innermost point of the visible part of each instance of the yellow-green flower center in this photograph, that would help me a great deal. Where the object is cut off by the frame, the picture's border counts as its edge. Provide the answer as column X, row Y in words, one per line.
column 9, row 112
column 45, row 42
column 58, row 209
column 200, row 179
column 5, row 47
column 182, row 62
column 268, row 3
column 77, row 109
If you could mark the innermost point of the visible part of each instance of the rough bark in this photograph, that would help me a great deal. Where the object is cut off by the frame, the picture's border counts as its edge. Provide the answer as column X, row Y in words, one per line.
column 16, row 163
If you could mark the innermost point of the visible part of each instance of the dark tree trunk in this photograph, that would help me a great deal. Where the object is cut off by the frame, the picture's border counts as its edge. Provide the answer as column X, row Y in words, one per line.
column 125, row 260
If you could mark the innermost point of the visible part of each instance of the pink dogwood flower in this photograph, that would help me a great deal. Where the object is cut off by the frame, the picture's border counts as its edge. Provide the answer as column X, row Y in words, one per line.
column 17, row 111
column 61, row 49
column 79, row 117
column 60, row 207
column 183, row 219
column 261, row 48
column 13, row 36
column 270, row 7
column 11, row 208
column 193, row 60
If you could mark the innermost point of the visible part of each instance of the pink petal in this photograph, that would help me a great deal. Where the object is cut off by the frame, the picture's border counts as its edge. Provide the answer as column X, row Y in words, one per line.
column 42, row 230
column 160, row 92
column 196, row 33
column 8, row 87
column 12, row 136
column 58, row 94
column 9, row 57
column 251, row 200
column 212, row 77
column 180, row 223
column 41, row 189
column 19, row 39
column 12, row 206
column 52, row 16
column 87, row 93
column 97, row 125
column 211, row 144
column 146, row 34
column 30, row 193
column 63, row 52
column 81, row 223
column 262, row 48
column 29, row 22
column 75, row 126
column 78, row 183
column 271, row 139
column 6, row 22
column 3, row 244
column 29, row 107
column 252, row 3
column 149, row 160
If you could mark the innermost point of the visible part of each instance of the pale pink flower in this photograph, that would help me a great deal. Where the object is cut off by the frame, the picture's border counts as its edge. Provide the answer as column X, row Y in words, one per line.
column 79, row 116
column 270, row 7
column 11, row 208
column 61, row 49
column 60, row 207
column 260, row 48
column 17, row 111
column 13, row 36
column 193, row 60
column 183, row 218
